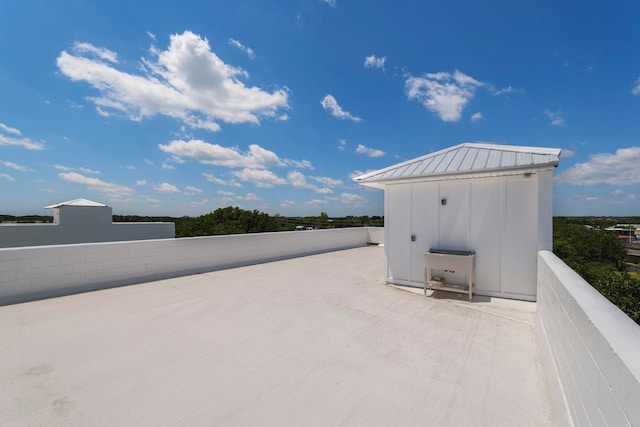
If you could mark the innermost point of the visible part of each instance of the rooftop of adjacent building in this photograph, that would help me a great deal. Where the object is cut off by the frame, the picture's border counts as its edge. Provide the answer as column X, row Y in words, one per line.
column 316, row 340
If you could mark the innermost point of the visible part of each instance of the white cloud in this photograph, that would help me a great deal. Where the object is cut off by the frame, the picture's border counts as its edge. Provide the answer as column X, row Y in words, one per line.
column 620, row 168
column 95, row 184
column 250, row 53
column 151, row 35
column 226, row 193
column 167, row 166
column 7, row 138
column 248, row 197
column 617, row 192
column 555, row 117
column 324, row 190
column 287, row 204
column 302, row 164
column 214, row 154
column 230, row 183
column 298, row 180
column 329, row 182
column 187, row 82
column 477, row 116
column 142, row 182
column 314, row 203
column 566, row 153
column 7, row 177
column 443, row 93
column 342, row 144
column 330, row 104
column 79, row 169
column 191, row 190
column 374, row 62
column 100, row 52
column 507, row 91
column 350, row 198
column 636, row 87
column 631, row 197
column 371, row 152
column 259, row 177
column 331, row 3
column 10, row 130
column 15, row 166
column 357, row 173
column 165, row 187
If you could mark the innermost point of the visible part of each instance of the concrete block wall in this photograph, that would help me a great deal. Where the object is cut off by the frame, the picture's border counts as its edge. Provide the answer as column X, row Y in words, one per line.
column 590, row 350
column 30, row 273
column 545, row 210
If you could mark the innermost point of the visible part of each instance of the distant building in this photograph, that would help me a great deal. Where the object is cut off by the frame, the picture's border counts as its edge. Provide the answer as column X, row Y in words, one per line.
column 81, row 221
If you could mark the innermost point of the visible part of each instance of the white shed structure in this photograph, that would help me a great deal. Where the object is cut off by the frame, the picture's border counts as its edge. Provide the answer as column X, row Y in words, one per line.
column 493, row 199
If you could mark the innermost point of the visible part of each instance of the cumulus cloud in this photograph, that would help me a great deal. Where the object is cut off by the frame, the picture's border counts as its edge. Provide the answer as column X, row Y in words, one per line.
column 330, row 104
column 298, row 180
column 329, row 182
column 507, row 91
column 230, row 183
column 99, row 52
column 95, row 184
column 187, row 82
column 477, row 116
column 350, row 198
column 249, row 197
column 15, row 166
column 636, row 87
column 555, row 117
column 371, row 152
column 192, row 191
column 214, row 154
column 12, row 136
column 619, row 168
column 374, row 62
column 250, row 53
column 10, row 130
column 78, row 169
column 259, row 177
column 165, row 187
column 443, row 93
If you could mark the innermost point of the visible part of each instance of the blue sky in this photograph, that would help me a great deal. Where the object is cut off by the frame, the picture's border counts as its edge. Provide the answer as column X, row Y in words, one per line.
column 178, row 108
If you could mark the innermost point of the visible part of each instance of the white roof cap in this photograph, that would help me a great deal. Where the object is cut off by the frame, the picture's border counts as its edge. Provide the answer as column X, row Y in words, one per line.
column 76, row 202
column 466, row 160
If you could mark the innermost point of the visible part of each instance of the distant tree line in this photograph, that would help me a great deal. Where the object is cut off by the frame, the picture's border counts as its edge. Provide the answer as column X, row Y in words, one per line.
column 599, row 257
column 26, row 219
column 233, row 220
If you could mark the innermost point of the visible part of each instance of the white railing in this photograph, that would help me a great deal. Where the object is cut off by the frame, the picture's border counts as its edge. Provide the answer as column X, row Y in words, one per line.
column 37, row 272
column 590, row 350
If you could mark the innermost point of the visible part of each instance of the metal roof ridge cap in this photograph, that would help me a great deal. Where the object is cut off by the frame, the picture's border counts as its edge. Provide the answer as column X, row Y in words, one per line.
column 516, row 148
column 521, row 169
column 398, row 165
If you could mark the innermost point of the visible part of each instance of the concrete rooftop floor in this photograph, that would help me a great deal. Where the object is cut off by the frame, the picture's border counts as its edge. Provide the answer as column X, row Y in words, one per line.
column 318, row 340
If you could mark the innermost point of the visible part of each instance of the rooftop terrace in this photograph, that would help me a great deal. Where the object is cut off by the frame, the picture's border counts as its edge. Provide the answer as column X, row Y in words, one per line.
column 315, row 340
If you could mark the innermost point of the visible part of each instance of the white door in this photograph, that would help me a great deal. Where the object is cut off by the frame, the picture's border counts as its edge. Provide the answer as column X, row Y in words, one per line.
column 485, row 232
column 398, row 232
column 520, row 241
column 424, row 226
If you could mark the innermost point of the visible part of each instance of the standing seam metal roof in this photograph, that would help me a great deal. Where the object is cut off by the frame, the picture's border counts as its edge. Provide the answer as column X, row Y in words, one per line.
column 467, row 158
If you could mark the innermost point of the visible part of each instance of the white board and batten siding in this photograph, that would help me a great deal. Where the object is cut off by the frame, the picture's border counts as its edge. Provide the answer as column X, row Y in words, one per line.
column 495, row 202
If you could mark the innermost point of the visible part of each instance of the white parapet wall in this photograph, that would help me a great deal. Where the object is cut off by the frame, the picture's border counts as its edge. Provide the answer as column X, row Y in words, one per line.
column 590, row 350
column 36, row 272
